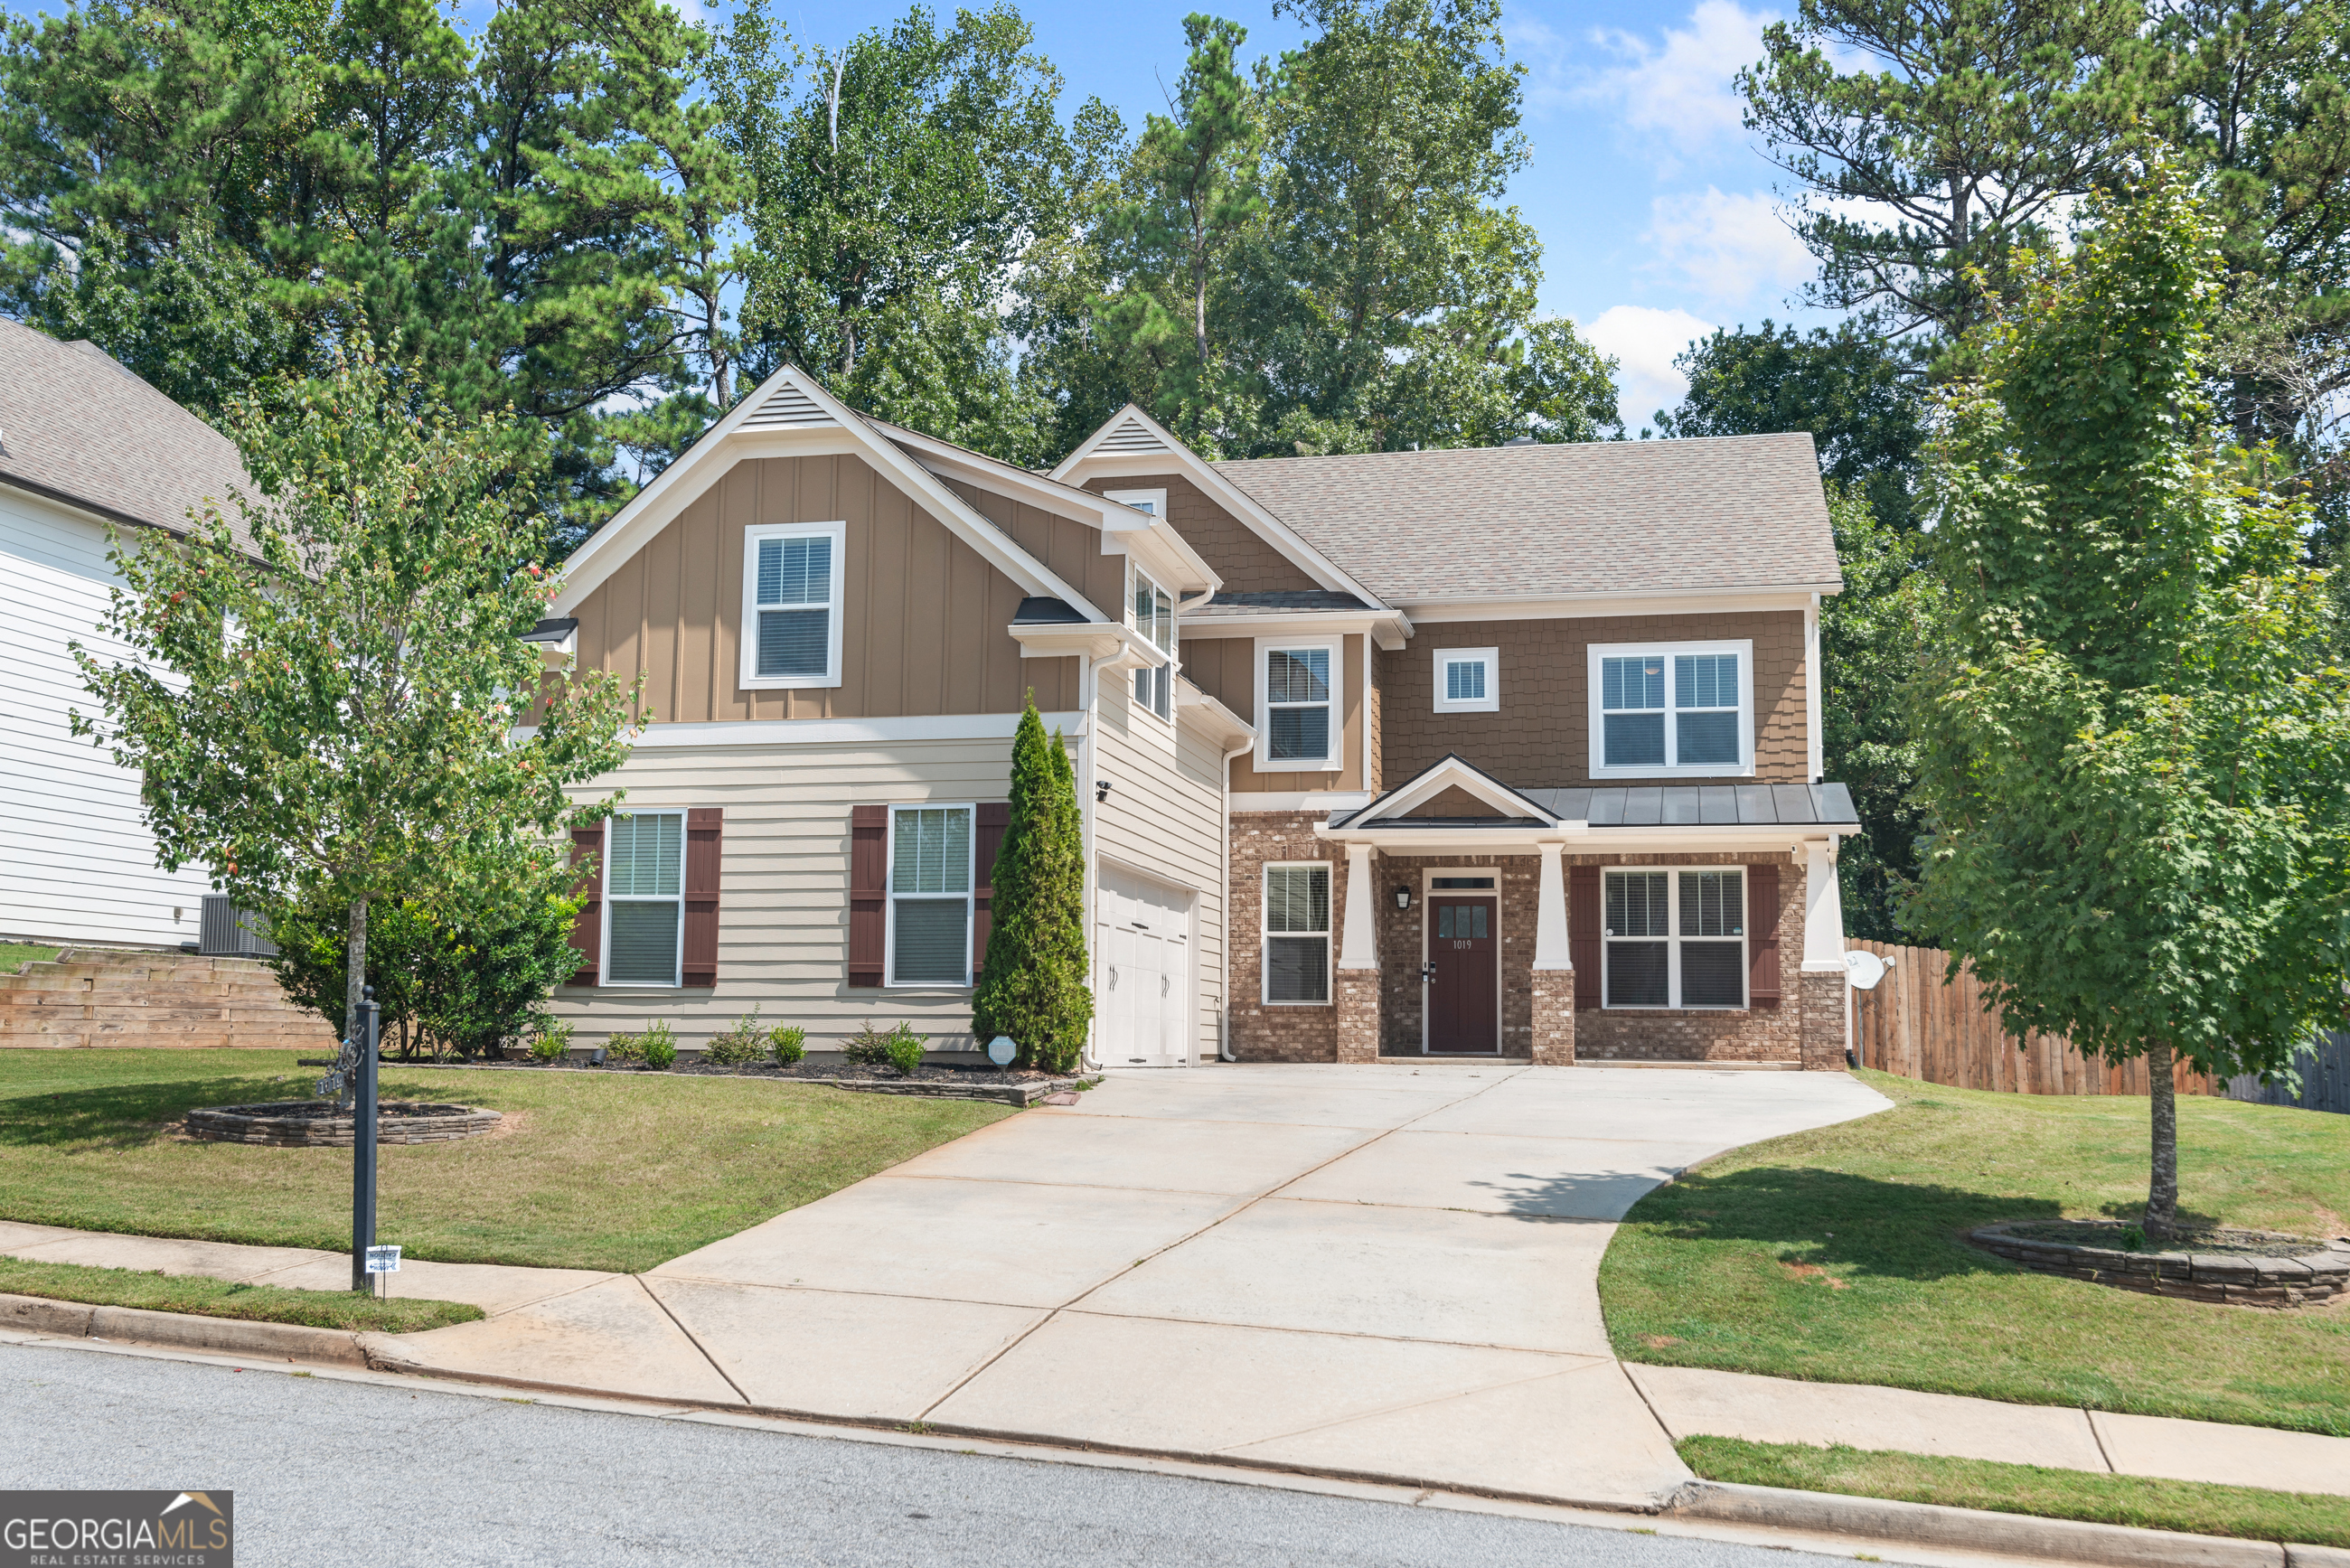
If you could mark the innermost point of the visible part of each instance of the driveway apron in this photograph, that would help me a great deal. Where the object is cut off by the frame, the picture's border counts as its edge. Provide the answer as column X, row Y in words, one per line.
column 1380, row 1270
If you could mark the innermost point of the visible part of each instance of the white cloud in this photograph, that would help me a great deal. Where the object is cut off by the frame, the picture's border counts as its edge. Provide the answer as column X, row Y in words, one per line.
column 1644, row 342
column 1727, row 248
column 1679, row 92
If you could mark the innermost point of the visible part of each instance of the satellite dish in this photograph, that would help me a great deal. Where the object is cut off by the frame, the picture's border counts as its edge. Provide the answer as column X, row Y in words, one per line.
column 1864, row 969
column 1001, row 1049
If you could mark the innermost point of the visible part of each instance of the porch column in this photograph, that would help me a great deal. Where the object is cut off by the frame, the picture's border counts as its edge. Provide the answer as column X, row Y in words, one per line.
column 1357, row 977
column 1553, row 966
column 1826, row 999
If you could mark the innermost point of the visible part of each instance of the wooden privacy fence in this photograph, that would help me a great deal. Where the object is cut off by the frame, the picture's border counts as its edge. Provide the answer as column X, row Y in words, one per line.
column 1918, row 1025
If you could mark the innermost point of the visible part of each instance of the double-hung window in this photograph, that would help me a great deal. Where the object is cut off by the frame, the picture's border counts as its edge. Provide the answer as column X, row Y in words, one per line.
column 1154, row 618
column 1467, row 679
column 1297, row 688
column 644, row 897
column 1681, row 708
column 791, row 604
column 1297, row 933
column 929, row 895
column 1676, row 938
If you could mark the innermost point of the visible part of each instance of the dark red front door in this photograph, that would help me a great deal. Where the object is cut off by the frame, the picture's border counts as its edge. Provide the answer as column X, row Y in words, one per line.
column 1463, row 1001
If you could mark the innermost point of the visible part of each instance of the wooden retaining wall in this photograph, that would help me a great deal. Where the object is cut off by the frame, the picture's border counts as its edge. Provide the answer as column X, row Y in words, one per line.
column 1918, row 1025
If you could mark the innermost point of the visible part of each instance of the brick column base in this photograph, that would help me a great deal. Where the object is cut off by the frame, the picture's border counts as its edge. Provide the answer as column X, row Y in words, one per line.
column 1554, row 1022
column 1358, row 1015
column 1822, row 1003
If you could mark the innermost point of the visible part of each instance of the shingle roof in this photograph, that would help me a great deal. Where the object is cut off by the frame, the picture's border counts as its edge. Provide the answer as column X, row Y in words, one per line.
column 1583, row 517
column 79, row 428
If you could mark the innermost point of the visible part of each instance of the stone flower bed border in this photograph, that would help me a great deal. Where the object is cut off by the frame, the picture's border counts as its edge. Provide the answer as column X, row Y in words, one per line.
column 2302, row 1279
column 398, row 1121
column 956, row 1084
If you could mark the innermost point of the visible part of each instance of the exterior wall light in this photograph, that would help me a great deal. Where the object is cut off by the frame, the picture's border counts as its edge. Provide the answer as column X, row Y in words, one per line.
column 1403, row 897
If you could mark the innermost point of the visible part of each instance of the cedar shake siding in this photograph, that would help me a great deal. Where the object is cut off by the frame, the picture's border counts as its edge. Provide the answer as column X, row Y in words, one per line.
column 1225, row 668
column 1233, row 551
column 924, row 616
column 1540, row 737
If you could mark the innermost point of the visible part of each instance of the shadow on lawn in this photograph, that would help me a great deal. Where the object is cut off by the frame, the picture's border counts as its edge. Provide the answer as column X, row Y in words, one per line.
column 1857, row 1224
column 126, row 1116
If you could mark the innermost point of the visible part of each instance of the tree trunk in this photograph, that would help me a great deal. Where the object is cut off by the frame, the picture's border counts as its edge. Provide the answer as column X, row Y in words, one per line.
column 2162, row 1188
column 354, row 969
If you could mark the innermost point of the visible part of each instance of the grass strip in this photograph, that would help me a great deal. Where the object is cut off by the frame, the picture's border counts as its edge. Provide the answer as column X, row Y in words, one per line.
column 14, row 956
column 1839, row 1255
column 203, row 1296
column 2195, row 1508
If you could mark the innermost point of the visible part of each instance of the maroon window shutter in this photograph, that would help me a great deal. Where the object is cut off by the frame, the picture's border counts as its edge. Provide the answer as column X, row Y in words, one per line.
column 588, row 925
column 868, row 860
column 1583, row 945
column 995, row 816
column 704, row 831
column 1762, row 936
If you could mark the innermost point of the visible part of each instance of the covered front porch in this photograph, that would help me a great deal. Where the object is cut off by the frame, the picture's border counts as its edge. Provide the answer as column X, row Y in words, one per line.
column 1664, row 924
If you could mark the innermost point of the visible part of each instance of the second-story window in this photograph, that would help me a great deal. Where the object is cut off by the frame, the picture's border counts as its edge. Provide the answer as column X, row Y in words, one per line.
column 1154, row 618
column 792, row 604
column 1299, row 688
column 1467, row 679
column 1682, row 708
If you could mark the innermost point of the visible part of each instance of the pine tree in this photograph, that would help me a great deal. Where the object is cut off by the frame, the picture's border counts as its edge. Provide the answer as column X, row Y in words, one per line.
column 1033, row 987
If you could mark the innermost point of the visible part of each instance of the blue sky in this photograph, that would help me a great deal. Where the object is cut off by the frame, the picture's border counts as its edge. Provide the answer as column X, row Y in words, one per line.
column 1658, row 217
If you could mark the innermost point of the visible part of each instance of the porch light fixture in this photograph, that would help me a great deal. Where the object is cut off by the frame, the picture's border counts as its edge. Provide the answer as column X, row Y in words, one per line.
column 1101, row 789
column 1403, row 897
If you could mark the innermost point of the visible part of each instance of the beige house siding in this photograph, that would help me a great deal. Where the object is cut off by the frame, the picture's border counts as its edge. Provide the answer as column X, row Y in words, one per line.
column 1235, row 551
column 1164, row 818
column 1540, row 736
column 924, row 615
column 783, row 913
column 1225, row 668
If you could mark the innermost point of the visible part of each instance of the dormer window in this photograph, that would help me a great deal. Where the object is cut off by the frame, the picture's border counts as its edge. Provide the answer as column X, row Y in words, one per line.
column 791, row 604
column 1672, row 708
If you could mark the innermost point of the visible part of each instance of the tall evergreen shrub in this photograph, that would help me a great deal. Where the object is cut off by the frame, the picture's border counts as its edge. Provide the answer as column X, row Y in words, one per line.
column 1032, row 986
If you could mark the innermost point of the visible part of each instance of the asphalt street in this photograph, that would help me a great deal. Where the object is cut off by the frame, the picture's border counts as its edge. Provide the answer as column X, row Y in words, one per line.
column 329, row 1473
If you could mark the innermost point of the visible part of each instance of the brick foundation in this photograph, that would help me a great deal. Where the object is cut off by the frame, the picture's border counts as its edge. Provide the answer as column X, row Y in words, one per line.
column 1553, row 1017
column 1358, row 1015
column 1823, row 1041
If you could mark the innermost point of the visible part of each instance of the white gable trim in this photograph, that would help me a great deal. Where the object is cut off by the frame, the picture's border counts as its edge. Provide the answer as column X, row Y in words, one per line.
column 1446, row 775
column 1117, row 450
column 790, row 415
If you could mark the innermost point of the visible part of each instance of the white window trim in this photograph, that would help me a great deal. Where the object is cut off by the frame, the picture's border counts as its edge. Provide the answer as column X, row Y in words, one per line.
column 890, row 896
column 753, row 534
column 1264, row 936
column 1428, row 889
column 1673, row 942
column 1156, row 500
column 1597, row 738
column 1174, row 641
column 1491, row 657
column 1335, row 759
column 604, row 887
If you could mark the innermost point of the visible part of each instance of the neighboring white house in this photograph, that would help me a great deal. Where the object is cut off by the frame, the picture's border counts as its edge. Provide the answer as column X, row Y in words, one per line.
column 84, row 444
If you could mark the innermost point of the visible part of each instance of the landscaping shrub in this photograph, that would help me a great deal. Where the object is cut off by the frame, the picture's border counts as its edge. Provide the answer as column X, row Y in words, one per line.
column 661, row 1047
column 905, row 1049
column 624, row 1050
column 869, row 1047
column 550, row 1038
column 788, row 1044
column 737, row 1045
column 1033, row 985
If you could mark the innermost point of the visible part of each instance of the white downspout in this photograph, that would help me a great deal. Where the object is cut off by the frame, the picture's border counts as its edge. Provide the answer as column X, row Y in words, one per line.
column 1224, row 893
column 1088, row 687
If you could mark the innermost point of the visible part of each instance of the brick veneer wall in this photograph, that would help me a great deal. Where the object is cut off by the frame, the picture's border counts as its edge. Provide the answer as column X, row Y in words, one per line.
column 1402, row 997
column 1259, row 1033
column 1710, row 1034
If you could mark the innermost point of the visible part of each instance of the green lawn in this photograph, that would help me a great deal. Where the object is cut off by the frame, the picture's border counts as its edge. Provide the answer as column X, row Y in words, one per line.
column 598, row 1171
column 14, row 956
column 1835, row 1255
column 2197, row 1508
column 208, row 1297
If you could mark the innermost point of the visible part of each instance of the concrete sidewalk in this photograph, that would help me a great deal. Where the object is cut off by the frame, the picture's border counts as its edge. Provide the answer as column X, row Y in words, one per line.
column 1382, row 1271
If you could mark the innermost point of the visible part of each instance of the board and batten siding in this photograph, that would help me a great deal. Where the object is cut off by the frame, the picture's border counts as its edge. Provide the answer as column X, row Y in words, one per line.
column 79, row 862
column 1225, row 668
column 782, row 912
column 924, row 615
column 1164, row 817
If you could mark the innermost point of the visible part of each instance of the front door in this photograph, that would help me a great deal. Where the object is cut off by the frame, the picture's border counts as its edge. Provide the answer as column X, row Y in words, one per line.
column 1464, row 974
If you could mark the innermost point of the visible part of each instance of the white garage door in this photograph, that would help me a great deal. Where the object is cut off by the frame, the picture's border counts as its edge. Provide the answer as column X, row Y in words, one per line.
column 1143, row 958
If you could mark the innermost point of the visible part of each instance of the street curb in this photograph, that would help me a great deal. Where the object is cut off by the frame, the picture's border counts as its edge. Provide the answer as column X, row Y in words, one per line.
column 182, row 1330
column 1967, row 1529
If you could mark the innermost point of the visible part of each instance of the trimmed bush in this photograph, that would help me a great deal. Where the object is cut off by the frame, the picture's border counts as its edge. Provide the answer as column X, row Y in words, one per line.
column 869, row 1047
column 787, row 1044
column 905, row 1048
column 661, row 1047
column 737, row 1045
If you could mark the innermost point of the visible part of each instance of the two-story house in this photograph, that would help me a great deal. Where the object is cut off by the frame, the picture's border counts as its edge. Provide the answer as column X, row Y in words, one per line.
column 1506, row 752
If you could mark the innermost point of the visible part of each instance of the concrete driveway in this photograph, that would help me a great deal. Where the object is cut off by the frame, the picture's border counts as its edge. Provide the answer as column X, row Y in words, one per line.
column 1381, row 1271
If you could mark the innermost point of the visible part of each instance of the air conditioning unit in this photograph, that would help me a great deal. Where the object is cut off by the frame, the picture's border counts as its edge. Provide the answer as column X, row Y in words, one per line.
column 226, row 931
